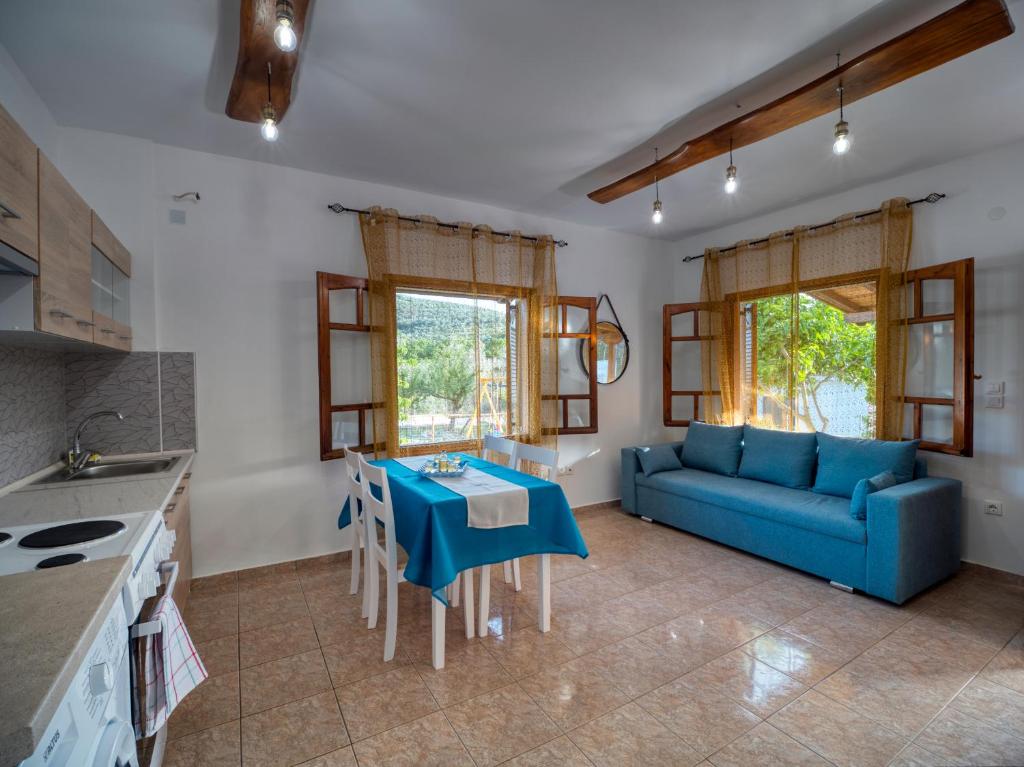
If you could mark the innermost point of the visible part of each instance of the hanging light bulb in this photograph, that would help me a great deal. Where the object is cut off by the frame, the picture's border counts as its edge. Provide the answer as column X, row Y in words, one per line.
column 284, row 34
column 731, row 182
column 269, row 129
column 656, row 216
column 841, row 145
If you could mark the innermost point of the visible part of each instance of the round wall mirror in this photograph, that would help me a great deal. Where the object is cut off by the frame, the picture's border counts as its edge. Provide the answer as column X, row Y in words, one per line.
column 612, row 352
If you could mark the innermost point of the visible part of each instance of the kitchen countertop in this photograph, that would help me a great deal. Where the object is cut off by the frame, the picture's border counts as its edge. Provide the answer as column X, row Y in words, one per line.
column 26, row 504
column 48, row 621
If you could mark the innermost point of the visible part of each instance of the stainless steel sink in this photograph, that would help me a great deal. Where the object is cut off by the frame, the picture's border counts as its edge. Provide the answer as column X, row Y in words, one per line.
column 110, row 469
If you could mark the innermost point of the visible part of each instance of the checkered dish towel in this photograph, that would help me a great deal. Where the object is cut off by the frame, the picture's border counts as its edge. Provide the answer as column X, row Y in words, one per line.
column 172, row 666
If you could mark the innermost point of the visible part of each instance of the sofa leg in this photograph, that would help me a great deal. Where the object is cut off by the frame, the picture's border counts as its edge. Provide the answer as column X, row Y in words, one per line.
column 646, row 519
column 841, row 586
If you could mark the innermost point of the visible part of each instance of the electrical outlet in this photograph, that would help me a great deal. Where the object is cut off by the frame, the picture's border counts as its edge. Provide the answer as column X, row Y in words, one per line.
column 566, row 471
column 994, row 401
column 994, row 507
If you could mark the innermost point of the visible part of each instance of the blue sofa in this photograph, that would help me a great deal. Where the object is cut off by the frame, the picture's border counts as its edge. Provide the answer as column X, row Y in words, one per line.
column 909, row 541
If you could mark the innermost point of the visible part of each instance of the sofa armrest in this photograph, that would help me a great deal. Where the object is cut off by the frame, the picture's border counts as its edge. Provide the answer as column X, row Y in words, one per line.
column 913, row 537
column 630, row 468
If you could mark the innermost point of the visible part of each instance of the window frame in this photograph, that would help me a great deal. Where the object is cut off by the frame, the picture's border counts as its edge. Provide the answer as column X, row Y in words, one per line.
column 668, row 311
column 589, row 304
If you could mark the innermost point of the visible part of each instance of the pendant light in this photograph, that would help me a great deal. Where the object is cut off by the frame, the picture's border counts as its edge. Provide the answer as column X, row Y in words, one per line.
column 284, row 34
column 656, row 216
column 731, row 182
column 841, row 145
column 269, row 127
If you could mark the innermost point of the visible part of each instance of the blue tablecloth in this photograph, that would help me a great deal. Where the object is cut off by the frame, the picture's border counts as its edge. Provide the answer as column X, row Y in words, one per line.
column 430, row 524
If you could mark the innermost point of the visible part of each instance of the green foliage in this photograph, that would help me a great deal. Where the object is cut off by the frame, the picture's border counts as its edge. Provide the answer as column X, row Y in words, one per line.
column 829, row 349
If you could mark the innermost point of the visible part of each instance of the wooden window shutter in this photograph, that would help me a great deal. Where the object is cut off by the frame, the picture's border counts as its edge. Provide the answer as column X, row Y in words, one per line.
column 576, row 324
column 341, row 293
column 682, row 390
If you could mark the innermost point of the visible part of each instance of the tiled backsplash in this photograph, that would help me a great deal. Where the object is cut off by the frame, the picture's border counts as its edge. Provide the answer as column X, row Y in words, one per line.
column 44, row 395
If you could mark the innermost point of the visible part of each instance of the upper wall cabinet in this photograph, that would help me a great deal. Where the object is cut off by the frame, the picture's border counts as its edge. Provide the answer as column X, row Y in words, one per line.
column 19, row 186
column 111, row 265
column 64, row 299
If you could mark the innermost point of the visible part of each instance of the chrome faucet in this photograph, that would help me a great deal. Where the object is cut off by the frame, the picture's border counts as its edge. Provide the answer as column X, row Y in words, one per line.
column 77, row 458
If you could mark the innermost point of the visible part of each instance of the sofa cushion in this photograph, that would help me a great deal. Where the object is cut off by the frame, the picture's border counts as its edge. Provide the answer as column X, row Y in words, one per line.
column 843, row 462
column 658, row 458
column 713, row 448
column 824, row 514
column 864, row 488
column 781, row 457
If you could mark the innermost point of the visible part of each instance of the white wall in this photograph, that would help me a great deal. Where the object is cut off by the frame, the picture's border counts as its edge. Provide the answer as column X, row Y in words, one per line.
column 236, row 285
column 957, row 227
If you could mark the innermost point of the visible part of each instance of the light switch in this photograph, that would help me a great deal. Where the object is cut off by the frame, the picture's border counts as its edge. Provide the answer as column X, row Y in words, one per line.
column 994, row 387
column 994, row 401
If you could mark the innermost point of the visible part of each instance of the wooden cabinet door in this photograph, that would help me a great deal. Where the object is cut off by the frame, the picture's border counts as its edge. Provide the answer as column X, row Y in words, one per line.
column 64, row 304
column 19, row 188
column 110, row 246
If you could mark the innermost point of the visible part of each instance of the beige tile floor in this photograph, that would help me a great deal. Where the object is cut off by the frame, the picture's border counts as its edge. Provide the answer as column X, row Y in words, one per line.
column 665, row 649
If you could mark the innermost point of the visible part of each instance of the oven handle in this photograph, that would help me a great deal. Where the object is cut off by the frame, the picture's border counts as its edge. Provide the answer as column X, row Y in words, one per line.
column 148, row 628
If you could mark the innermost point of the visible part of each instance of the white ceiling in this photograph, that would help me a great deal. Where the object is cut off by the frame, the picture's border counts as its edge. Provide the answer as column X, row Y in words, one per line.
column 523, row 104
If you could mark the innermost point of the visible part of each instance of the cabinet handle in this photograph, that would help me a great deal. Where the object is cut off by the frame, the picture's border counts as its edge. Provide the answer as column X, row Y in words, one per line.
column 180, row 490
column 170, row 507
column 125, row 338
column 85, row 323
column 188, row 475
column 7, row 211
column 60, row 313
column 106, row 331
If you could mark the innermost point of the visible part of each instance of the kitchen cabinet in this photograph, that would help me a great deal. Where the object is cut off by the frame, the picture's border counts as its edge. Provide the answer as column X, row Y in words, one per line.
column 19, row 188
column 177, row 518
column 64, row 300
column 111, row 265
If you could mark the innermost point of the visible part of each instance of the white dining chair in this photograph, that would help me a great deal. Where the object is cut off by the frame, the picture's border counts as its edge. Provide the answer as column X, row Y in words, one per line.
column 493, row 447
column 355, row 497
column 380, row 512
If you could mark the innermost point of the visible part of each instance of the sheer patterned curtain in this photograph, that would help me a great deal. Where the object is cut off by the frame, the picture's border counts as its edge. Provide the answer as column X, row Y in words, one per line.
column 857, row 250
column 468, row 261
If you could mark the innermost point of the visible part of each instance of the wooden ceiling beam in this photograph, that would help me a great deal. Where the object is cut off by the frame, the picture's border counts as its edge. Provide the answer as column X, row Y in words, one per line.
column 964, row 28
column 256, row 47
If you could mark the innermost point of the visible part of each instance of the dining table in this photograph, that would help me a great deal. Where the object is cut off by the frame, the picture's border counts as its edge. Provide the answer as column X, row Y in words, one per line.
column 452, row 525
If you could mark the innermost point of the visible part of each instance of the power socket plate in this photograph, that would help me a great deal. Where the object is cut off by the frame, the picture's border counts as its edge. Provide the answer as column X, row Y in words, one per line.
column 995, row 508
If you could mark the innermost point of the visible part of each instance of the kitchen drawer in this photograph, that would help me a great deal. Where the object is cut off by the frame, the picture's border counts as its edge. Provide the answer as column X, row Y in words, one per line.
column 19, row 188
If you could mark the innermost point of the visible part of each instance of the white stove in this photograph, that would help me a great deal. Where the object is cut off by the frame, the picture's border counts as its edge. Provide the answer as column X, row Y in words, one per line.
column 141, row 536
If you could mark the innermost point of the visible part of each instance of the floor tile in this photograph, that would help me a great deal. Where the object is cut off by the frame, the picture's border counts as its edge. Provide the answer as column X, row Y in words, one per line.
column 213, row 702
column 560, row 752
column 754, row 685
column 254, row 592
column 573, row 694
column 635, row 667
column 630, row 737
column 962, row 739
column 359, row 658
column 215, row 622
column 837, row 628
column 804, row 661
column 915, row 756
column 942, row 642
column 466, row 674
column 703, row 635
column 766, row 746
column 899, row 688
column 527, row 651
column 585, row 591
column 293, row 733
column 219, row 656
column 218, row 746
column 426, row 742
column 270, row 611
column 277, row 641
column 992, row 703
column 224, row 583
column 381, row 702
column 1007, row 668
column 839, row 734
column 282, row 681
column 343, row 757
column 706, row 719
column 499, row 725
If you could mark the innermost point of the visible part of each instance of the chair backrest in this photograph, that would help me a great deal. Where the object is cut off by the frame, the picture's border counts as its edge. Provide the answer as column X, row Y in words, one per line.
column 355, row 487
column 494, row 444
column 539, row 455
column 378, row 511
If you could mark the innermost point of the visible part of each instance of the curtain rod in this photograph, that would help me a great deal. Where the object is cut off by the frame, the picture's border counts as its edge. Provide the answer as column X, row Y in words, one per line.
column 339, row 208
column 931, row 199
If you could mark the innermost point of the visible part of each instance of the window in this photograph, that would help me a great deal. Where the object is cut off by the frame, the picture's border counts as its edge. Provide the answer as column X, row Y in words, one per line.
column 829, row 384
column 455, row 366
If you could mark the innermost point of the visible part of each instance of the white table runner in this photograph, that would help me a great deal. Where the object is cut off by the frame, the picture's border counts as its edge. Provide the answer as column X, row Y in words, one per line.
column 491, row 501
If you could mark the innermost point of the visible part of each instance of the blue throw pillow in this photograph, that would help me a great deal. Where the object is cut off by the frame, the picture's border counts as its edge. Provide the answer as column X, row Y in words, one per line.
column 713, row 448
column 658, row 458
column 843, row 462
column 781, row 457
column 864, row 488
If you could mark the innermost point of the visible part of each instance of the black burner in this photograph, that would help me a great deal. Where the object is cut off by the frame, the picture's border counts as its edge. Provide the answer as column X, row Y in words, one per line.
column 60, row 560
column 71, row 534
column 4, row 537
